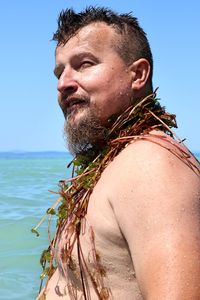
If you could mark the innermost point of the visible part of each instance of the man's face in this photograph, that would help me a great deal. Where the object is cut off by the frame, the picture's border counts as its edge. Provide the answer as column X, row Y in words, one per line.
column 93, row 81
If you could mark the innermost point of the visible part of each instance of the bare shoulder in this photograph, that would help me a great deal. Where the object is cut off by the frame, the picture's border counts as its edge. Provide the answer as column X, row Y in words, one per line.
column 156, row 157
column 155, row 194
column 154, row 168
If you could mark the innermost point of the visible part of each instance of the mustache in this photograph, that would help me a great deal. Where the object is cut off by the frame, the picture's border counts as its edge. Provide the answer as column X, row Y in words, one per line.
column 71, row 100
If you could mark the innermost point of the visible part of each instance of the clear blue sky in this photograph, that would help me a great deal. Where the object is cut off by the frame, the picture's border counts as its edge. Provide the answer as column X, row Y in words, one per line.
column 30, row 118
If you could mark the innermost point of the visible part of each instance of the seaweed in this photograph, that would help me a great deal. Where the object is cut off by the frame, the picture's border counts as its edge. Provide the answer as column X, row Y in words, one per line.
column 135, row 123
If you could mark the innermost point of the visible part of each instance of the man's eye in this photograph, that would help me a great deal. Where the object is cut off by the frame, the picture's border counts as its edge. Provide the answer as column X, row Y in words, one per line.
column 85, row 64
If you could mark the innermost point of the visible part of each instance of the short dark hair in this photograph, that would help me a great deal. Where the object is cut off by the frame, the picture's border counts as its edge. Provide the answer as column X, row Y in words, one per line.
column 133, row 43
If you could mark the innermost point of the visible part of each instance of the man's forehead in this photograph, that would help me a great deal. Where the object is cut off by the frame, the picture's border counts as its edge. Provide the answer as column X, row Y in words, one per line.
column 96, row 29
column 94, row 34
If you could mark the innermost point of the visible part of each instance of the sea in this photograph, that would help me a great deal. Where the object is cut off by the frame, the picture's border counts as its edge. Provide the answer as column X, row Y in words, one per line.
column 28, row 186
column 27, row 183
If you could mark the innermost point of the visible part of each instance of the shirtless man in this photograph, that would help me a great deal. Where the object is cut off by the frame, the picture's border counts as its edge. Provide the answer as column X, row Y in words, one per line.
column 144, row 210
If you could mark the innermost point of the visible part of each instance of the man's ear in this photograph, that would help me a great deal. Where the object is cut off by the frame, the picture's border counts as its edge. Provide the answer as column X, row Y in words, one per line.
column 140, row 70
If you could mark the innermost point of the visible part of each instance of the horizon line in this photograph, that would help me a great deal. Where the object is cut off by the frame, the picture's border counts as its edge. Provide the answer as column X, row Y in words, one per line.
column 58, row 151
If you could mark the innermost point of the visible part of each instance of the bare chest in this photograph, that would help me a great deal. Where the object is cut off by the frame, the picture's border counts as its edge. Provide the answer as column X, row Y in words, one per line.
column 101, row 256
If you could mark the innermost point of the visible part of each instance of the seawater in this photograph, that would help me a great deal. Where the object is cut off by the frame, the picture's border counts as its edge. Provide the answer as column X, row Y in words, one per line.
column 25, row 181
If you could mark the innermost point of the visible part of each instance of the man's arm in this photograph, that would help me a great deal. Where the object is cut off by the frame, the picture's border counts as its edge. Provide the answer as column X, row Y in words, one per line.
column 156, row 203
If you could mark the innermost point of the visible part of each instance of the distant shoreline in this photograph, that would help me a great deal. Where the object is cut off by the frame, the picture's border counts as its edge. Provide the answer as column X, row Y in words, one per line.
column 48, row 154
column 29, row 151
column 34, row 154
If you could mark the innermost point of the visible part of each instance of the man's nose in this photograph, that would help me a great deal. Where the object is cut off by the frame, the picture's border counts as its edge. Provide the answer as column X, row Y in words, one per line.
column 67, row 83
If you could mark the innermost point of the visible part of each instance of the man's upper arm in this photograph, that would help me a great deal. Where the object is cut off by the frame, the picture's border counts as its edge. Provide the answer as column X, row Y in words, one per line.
column 156, row 204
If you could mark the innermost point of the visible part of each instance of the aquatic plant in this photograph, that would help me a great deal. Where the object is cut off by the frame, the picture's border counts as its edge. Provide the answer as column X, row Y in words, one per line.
column 136, row 123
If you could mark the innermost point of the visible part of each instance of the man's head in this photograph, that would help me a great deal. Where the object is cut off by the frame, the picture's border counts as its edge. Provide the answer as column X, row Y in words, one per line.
column 103, row 62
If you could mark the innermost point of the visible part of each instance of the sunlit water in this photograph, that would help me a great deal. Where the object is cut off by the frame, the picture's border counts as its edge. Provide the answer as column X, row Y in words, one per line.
column 25, row 180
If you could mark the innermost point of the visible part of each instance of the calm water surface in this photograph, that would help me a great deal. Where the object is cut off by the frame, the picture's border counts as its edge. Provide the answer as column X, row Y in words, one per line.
column 25, row 180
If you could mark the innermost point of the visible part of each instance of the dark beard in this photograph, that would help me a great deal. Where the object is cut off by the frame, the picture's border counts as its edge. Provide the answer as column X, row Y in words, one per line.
column 84, row 134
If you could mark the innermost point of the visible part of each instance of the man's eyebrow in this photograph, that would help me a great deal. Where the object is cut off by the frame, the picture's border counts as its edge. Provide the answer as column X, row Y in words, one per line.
column 83, row 54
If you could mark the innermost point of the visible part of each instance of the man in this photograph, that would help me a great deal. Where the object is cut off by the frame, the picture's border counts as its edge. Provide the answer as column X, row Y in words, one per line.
column 138, row 236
